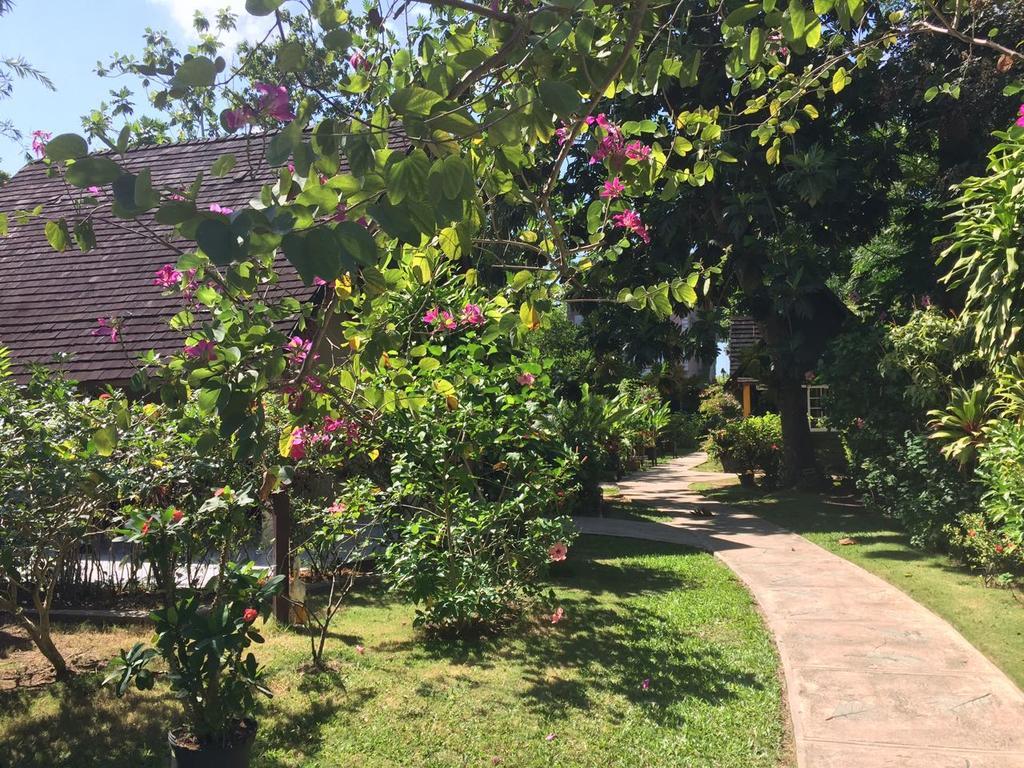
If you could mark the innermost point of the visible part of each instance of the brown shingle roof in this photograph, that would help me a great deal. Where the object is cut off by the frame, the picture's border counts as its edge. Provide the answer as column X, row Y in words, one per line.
column 50, row 301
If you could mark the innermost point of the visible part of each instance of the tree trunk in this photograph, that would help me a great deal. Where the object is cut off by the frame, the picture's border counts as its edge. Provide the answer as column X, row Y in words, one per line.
column 799, row 464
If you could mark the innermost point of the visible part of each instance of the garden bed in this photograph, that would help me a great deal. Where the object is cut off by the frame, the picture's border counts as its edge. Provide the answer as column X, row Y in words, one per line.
column 566, row 694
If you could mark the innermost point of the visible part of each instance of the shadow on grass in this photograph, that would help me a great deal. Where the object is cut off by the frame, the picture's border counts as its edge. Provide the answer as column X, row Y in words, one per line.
column 87, row 726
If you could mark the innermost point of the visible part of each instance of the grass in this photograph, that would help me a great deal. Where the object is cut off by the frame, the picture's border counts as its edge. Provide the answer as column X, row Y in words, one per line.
column 991, row 618
column 635, row 610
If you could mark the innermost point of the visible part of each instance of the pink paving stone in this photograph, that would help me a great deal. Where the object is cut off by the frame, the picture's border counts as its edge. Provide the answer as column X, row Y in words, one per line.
column 874, row 680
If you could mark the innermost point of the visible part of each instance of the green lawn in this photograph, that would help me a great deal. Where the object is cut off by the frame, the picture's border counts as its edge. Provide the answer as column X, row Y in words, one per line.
column 992, row 619
column 635, row 610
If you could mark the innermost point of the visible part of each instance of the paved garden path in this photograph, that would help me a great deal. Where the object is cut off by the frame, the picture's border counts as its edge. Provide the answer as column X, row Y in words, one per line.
column 874, row 679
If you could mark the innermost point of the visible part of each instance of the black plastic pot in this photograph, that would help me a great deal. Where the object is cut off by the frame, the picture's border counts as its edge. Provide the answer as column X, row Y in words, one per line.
column 237, row 755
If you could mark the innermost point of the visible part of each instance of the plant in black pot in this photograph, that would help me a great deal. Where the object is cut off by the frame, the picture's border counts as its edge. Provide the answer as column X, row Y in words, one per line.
column 203, row 636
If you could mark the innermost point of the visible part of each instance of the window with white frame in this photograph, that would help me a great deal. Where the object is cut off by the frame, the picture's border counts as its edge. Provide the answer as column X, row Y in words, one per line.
column 816, row 406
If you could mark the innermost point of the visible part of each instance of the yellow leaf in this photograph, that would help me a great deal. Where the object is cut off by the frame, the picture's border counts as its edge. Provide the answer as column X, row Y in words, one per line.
column 374, row 455
column 811, row 111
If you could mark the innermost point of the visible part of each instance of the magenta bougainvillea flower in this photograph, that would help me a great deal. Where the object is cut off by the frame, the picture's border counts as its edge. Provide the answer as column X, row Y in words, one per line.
column 440, row 318
column 297, row 447
column 237, row 118
column 298, row 348
column 273, row 102
column 526, row 379
column 249, row 615
column 646, row 684
column 431, row 315
column 223, row 209
column 94, row 191
column 203, row 349
column 558, row 551
column 1020, row 116
column 472, row 314
column 358, row 60
column 630, row 219
column 167, row 276
column 612, row 188
column 108, row 326
column 314, row 384
column 637, row 151
column 39, row 139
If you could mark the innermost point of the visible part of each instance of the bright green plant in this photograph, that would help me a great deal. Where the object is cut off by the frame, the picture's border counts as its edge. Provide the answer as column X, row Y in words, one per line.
column 718, row 407
column 746, row 446
column 962, row 425
column 1001, row 474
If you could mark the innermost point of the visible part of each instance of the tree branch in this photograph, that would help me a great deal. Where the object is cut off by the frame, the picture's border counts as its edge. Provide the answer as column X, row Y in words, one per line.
column 479, row 10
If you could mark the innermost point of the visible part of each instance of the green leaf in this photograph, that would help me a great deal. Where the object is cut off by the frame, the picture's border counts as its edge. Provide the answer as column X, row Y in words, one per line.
column 197, row 72
column 223, row 165
column 395, row 221
column 454, row 174
column 290, row 57
column 414, row 101
column 560, row 97
column 105, row 440
column 408, row 177
column 821, row 7
column 742, row 15
column 339, row 39
column 313, row 253
column 67, row 146
column 357, row 242
column 93, row 172
column 840, row 79
column 283, row 143
column 216, row 239
column 57, row 234
column 262, row 7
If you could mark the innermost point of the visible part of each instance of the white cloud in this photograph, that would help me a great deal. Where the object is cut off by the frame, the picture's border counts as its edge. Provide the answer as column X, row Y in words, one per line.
column 249, row 28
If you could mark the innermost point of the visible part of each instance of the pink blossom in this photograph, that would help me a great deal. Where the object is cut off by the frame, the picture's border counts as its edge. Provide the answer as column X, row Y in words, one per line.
column 558, row 552
column 358, row 60
column 637, row 151
column 274, row 102
column 340, row 213
column 167, row 276
column 94, row 191
column 431, row 316
column 223, row 209
column 39, row 139
column 612, row 188
column 630, row 219
column 448, row 321
column 551, row 736
column 337, row 508
column 472, row 314
column 1020, row 118
column 202, row 349
column 297, row 446
column 314, row 384
column 109, row 326
column 562, row 134
column 176, row 196
column 439, row 317
column 646, row 684
column 237, row 118
column 360, row 650
column 319, row 281
column 298, row 348
column 526, row 379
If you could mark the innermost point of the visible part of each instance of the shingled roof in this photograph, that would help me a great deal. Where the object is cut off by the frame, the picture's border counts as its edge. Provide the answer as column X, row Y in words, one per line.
column 50, row 302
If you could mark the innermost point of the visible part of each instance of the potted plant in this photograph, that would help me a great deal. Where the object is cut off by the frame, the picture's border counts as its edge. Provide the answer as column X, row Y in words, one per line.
column 203, row 636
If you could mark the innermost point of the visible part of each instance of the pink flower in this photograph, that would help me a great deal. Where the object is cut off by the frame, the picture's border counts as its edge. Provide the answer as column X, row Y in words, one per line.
column 94, row 191
column 646, row 684
column 358, row 60
column 526, row 379
column 630, row 219
column 249, row 615
column 297, row 447
column 314, row 384
column 431, row 316
column 298, row 348
column 109, row 326
column 439, row 317
column 203, row 349
column 1020, row 120
column 612, row 188
column 167, row 276
column 472, row 314
column 318, row 281
column 39, row 139
column 360, row 650
column 218, row 208
column 176, row 196
column 337, row 508
column 637, row 151
column 237, row 118
column 551, row 736
column 448, row 321
column 340, row 213
column 274, row 102
column 558, row 552
column 558, row 615
column 562, row 134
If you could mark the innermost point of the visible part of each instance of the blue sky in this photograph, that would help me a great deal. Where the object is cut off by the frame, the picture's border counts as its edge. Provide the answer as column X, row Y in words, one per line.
column 66, row 46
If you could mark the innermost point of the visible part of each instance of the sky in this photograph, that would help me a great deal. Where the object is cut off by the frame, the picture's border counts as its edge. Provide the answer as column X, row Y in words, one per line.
column 76, row 34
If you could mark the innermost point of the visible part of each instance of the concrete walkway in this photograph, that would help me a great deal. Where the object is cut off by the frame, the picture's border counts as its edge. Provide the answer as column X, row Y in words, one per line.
column 874, row 679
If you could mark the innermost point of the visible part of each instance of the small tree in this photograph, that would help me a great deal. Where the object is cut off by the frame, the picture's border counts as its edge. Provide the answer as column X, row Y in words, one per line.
column 50, row 495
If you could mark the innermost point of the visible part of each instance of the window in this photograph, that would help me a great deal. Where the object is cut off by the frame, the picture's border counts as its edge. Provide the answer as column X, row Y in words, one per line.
column 816, row 406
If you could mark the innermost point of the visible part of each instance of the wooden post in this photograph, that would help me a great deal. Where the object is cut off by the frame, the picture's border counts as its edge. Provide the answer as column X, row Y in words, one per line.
column 282, row 560
column 747, row 406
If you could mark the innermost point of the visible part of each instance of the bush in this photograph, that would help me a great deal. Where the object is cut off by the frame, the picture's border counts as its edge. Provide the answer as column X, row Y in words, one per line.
column 913, row 483
column 749, row 445
column 974, row 540
column 1001, row 475
column 683, row 432
column 718, row 407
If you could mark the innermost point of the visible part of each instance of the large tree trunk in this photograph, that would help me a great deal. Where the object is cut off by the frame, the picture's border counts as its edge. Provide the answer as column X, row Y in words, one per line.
column 799, row 465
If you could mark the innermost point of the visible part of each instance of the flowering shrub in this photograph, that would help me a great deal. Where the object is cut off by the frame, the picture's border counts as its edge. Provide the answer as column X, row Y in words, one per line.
column 986, row 548
column 749, row 445
column 718, row 407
